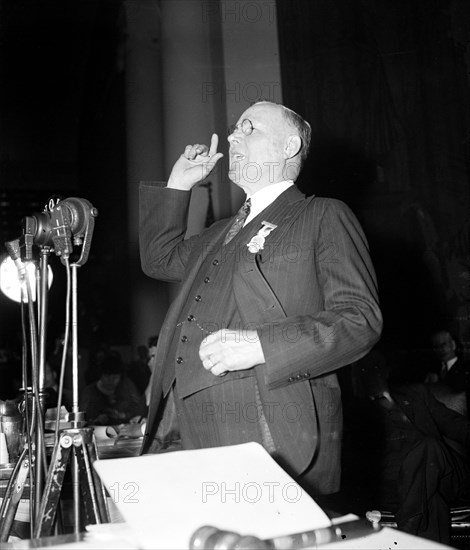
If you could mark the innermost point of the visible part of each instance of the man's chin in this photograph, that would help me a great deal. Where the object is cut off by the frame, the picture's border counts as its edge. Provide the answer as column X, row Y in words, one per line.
column 234, row 176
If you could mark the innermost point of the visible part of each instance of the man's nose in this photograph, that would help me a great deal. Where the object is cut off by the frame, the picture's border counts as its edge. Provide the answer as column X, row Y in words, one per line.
column 232, row 138
column 236, row 135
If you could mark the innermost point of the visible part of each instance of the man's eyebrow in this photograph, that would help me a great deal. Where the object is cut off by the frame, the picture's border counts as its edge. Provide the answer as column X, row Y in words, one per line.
column 255, row 122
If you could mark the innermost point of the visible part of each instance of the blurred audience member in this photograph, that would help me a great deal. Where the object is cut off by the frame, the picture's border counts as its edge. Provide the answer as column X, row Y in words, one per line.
column 51, row 388
column 421, row 446
column 168, row 437
column 152, row 350
column 97, row 356
column 113, row 398
column 449, row 376
column 138, row 371
column 56, row 356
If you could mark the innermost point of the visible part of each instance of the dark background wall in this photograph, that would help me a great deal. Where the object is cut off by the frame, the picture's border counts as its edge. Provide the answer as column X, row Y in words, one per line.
column 384, row 84
column 62, row 133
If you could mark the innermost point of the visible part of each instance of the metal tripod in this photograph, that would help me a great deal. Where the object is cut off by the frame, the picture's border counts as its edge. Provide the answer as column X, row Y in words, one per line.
column 75, row 444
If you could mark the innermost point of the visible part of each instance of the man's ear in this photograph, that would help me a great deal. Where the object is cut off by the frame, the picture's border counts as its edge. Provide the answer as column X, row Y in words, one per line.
column 292, row 146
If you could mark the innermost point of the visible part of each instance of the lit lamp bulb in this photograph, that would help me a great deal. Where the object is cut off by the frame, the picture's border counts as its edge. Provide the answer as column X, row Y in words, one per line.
column 10, row 283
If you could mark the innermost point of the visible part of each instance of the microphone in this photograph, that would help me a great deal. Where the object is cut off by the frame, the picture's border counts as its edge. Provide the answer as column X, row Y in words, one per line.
column 60, row 221
column 70, row 217
column 212, row 538
column 61, row 232
column 78, row 215
column 13, row 248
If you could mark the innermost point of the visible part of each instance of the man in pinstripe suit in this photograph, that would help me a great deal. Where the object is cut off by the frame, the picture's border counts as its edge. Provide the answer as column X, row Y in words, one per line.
column 249, row 348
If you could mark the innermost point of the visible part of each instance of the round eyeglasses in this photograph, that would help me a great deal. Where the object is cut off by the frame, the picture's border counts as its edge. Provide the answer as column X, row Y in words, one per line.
column 245, row 126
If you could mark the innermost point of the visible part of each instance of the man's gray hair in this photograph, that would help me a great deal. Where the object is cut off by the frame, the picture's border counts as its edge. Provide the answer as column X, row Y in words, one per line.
column 302, row 126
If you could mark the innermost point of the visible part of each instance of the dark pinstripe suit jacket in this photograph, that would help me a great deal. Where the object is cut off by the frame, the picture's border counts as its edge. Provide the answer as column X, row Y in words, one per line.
column 311, row 293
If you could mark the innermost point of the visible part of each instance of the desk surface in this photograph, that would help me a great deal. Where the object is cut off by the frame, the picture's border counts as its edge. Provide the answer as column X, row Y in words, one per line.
column 119, row 537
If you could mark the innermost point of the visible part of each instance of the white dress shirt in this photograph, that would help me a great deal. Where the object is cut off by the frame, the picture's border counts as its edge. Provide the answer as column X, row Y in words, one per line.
column 264, row 197
column 447, row 365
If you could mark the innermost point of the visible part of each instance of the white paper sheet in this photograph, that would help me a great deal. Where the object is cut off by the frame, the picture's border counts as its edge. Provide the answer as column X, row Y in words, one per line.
column 165, row 498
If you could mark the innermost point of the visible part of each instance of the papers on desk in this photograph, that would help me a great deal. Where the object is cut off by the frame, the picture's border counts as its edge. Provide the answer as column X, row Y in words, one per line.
column 111, row 445
column 165, row 498
column 50, row 419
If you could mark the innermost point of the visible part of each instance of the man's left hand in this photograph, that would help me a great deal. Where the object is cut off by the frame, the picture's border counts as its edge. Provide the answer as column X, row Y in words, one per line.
column 231, row 350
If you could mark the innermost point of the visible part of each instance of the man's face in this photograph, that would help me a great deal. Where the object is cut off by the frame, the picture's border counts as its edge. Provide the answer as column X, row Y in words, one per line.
column 444, row 346
column 258, row 159
column 110, row 381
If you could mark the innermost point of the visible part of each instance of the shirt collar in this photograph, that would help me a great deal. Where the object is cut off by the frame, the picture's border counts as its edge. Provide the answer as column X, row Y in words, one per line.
column 451, row 362
column 266, row 196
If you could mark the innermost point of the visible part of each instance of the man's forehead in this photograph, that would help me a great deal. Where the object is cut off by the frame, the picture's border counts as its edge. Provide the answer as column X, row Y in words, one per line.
column 263, row 111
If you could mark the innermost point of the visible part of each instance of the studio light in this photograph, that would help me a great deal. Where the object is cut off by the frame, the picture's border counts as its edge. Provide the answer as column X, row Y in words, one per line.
column 10, row 283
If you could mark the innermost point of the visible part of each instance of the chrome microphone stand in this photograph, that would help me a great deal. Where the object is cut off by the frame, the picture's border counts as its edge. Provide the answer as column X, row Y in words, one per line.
column 75, row 217
column 76, row 444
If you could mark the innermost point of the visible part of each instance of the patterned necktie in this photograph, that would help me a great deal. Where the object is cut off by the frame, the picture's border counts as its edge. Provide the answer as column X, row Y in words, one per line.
column 242, row 214
column 443, row 372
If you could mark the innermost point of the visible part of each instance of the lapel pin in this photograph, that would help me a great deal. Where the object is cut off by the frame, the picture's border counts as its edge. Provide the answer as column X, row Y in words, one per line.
column 257, row 242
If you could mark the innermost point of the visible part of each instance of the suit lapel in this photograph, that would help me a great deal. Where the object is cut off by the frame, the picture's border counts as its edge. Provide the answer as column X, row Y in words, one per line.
column 282, row 213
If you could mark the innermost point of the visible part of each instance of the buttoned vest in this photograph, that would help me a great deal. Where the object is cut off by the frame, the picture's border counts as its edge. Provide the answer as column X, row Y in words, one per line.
column 210, row 306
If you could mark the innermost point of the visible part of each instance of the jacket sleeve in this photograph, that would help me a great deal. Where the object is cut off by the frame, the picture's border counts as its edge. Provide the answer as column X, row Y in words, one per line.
column 162, row 226
column 347, row 322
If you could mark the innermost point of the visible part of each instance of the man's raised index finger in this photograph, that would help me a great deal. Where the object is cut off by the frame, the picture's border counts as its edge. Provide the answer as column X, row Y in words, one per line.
column 214, row 145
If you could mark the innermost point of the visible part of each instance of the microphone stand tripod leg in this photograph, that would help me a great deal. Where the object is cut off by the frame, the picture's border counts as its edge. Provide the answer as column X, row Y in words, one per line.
column 53, row 487
column 78, row 441
column 13, row 494
column 94, row 496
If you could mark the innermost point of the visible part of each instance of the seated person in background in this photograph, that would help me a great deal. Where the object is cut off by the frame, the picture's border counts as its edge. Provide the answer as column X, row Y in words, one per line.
column 113, row 398
column 138, row 371
column 167, row 437
column 421, row 447
column 51, row 388
column 152, row 351
column 449, row 377
column 137, row 424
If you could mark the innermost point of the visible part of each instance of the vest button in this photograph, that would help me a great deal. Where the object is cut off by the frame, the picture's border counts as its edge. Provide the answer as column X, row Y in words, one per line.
column 184, row 338
column 291, row 379
column 215, row 262
column 198, row 298
column 179, row 360
column 207, row 279
column 306, row 375
column 299, row 377
column 191, row 318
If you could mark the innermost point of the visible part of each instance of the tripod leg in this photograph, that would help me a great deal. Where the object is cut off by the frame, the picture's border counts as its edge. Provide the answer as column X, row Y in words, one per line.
column 94, row 501
column 99, row 488
column 12, row 498
column 53, row 488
